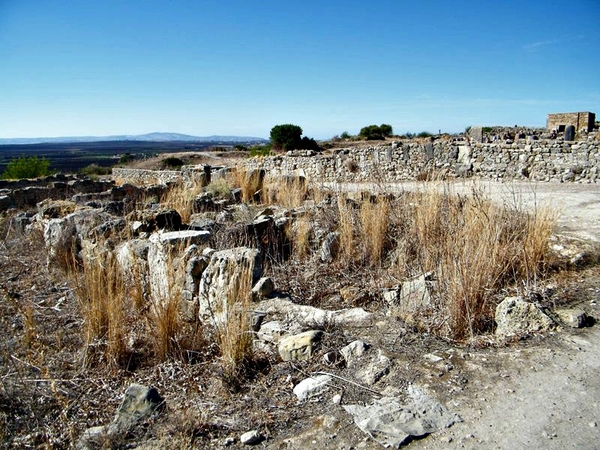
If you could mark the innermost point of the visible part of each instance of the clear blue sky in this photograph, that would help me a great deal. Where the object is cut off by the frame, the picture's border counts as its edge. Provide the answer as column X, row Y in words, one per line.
column 240, row 67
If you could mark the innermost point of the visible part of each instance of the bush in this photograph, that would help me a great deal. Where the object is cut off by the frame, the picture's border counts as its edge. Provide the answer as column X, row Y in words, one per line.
column 309, row 144
column 95, row 169
column 172, row 162
column 424, row 134
column 32, row 167
column 126, row 158
column 260, row 150
column 376, row 132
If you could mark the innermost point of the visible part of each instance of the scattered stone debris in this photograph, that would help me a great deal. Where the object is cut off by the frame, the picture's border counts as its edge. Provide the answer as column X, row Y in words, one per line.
column 572, row 317
column 392, row 423
column 299, row 347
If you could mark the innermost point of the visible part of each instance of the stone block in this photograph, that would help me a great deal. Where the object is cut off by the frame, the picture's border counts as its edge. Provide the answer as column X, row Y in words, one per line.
column 299, row 347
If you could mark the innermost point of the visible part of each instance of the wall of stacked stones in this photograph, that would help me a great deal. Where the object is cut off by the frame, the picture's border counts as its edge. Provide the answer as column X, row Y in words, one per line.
column 140, row 176
column 534, row 160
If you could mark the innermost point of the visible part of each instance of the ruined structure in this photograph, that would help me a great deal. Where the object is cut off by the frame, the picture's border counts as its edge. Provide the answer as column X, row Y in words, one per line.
column 580, row 120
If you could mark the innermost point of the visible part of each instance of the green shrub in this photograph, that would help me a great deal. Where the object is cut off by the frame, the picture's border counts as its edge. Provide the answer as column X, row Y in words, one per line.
column 260, row 150
column 95, row 169
column 32, row 167
column 289, row 137
column 126, row 158
column 172, row 162
column 424, row 134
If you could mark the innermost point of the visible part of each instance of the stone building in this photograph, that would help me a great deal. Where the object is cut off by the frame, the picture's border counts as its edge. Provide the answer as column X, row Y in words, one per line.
column 580, row 120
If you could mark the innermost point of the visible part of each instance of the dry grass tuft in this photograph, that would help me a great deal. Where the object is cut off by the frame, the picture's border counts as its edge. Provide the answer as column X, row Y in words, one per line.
column 287, row 192
column 234, row 336
column 250, row 182
column 374, row 220
column 100, row 292
column 301, row 235
column 219, row 188
column 346, row 225
column 180, row 197
column 475, row 248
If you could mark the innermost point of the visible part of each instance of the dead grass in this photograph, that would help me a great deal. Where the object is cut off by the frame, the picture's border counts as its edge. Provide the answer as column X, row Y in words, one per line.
column 180, row 197
column 346, row 227
column 100, row 292
column 219, row 188
column 163, row 316
column 374, row 221
column 474, row 247
column 250, row 182
column 301, row 236
column 287, row 192
column 233, row 335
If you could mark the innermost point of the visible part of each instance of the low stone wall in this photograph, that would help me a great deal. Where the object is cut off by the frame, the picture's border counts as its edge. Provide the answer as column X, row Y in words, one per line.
column 25, row 193
column 534, row 160
column 139, row 176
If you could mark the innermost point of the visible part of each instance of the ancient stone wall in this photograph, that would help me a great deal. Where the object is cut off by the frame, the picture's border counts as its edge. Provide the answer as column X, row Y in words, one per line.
column 580, row 120
column 534, row 160
column 139, row 176
column 22, row 193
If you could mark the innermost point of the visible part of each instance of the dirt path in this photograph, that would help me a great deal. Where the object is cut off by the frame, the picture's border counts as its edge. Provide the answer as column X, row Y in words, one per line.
column 541, row 397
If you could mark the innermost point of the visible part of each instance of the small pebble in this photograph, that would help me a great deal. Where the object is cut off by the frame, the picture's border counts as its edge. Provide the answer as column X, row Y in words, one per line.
column 252, row 437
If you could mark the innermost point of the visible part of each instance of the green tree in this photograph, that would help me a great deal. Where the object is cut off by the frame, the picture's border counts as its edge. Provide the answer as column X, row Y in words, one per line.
column 372, row 132
column 386, row 129
column 32, row 167
column 286, row 137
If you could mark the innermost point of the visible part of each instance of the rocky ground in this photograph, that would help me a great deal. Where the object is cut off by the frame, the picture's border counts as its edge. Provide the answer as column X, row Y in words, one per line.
column 536, row 391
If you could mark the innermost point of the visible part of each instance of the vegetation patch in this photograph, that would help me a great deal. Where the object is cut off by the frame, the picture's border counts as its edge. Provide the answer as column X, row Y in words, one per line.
column 27, row 167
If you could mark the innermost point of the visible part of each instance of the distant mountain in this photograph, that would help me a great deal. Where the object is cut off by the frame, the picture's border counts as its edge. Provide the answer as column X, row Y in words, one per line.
column 149, row 137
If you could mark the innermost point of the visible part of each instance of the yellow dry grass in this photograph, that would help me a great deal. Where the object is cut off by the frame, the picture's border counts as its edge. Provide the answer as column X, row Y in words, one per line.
column 233, row 335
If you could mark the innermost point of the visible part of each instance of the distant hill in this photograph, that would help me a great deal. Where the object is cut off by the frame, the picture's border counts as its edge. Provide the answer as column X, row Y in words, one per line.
column 149, row 137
